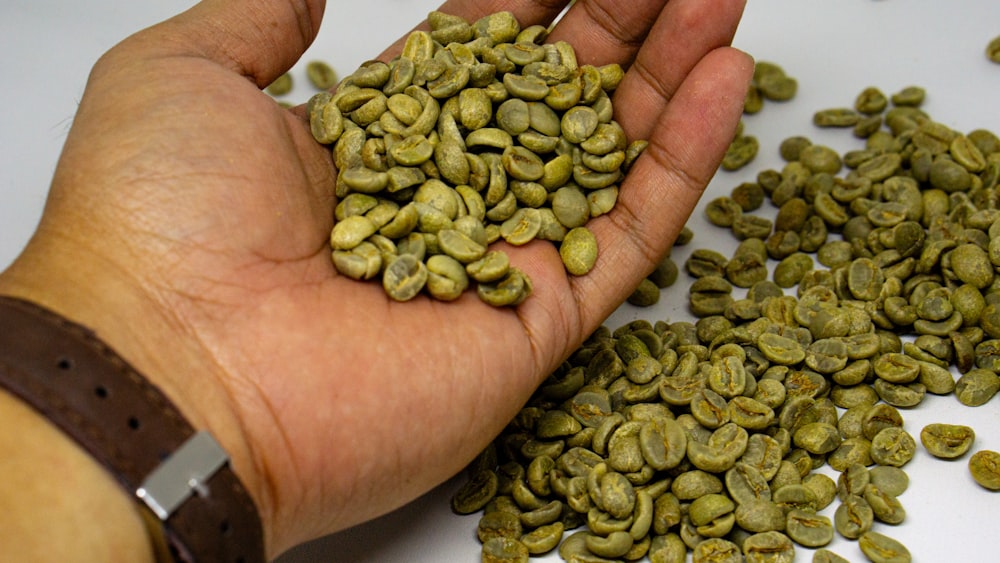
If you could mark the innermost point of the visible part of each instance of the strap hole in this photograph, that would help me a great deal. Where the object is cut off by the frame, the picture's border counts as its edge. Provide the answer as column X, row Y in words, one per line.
column 101, row 392
column 64, row 364
column 133, row 423
column 225, row 528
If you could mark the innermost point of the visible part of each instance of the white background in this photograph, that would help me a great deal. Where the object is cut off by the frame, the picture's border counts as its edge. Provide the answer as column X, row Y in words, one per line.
column 834, row 49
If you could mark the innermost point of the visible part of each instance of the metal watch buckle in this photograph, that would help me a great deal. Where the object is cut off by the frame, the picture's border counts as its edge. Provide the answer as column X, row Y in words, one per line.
column 182, row 474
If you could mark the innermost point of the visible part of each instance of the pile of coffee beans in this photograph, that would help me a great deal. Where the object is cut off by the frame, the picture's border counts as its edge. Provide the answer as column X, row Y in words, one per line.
column 478, row 132
column 872, row 285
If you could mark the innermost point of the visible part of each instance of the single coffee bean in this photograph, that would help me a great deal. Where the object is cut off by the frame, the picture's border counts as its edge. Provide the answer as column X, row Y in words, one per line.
column 984, row 466
column 993, row 50
column 947, row 441
column 880, row 548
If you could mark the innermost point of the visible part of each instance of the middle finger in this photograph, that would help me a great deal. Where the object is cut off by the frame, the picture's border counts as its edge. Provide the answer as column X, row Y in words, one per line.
column 607, row 31
column 685, row 31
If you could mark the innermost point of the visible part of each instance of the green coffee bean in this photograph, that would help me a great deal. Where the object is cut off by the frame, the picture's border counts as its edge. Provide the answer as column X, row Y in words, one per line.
column 476, row 493
column 282, row 85
column 760, row 515
column 808, row 529
column 543, row 539
column 880, row 548
column 663, row 444
column 741, row 152
column 601, row 523
column 773, row 83
column 716, row 550
column 836, row 117
column 896, row 368
column 871, row 100
column 853, row 480
column 504, row 550
column 823, row 488
column 754, row 101
column 851, row 396
column 570, row 206
column 574, row 548
column 853, row 517
column 984, row 466
column 694, row 484
column 898, row 395
column 615, row 544
column 446, row 278
column 321, row 75
column 909, row 96
column 326, row 122
column 748, row 195
column 790, row 271
column 355, row 204
column 510, row 290
column 827, row 556
column 751, row 227
column 817, row 437
column 977, row 386
column 885, row 507
column 880, row 167
column 578, row 251
column 624, row 450
column 708, row 508
column 889, row 479
column 544, row 515
column 491, row 267
column 792, row 495
column 892, row 446
column 947, row 441
column 771, row 546
column 993, row 50
column 499, row 524
column 948, row 175
column 820, row 158
column 522, row 227
column 745, row 482
column 780, row 349
column 711, row 411
column 668, row 548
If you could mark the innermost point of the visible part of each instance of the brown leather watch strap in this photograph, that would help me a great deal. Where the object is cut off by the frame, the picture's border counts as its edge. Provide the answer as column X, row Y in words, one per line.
column 66, row 373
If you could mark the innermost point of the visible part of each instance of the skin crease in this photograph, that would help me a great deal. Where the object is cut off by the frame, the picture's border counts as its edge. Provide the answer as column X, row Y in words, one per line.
column 188, row 221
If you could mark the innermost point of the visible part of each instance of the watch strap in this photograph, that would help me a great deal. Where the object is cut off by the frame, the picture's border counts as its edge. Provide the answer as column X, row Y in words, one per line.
column 92, row 394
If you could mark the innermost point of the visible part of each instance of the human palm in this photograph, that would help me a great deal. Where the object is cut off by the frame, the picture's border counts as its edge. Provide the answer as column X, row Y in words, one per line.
column 187, row 189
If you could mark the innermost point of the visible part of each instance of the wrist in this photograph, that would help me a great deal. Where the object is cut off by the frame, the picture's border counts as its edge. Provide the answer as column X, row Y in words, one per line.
column 138, row 331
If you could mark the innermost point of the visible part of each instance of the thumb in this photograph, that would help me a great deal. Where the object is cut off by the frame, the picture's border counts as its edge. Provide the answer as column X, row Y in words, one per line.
column 259, row 39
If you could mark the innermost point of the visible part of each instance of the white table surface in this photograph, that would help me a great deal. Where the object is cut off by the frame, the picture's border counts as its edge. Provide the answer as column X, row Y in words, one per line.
column 834, row 49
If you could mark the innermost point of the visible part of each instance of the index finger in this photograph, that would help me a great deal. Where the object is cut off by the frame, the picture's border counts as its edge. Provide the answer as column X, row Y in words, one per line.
column 685, row 31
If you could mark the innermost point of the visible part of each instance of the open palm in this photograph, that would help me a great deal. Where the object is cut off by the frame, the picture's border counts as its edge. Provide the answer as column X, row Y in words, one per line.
column 186, row 193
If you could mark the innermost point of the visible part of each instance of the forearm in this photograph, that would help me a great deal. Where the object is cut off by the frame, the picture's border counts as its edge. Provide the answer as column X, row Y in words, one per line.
column 59, row 504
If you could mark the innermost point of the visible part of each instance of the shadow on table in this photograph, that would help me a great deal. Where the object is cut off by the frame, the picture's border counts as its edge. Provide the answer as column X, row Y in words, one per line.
column 424, row 530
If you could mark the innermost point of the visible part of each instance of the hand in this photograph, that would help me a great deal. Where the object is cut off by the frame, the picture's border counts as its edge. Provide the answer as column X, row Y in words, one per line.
column 188, row 224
